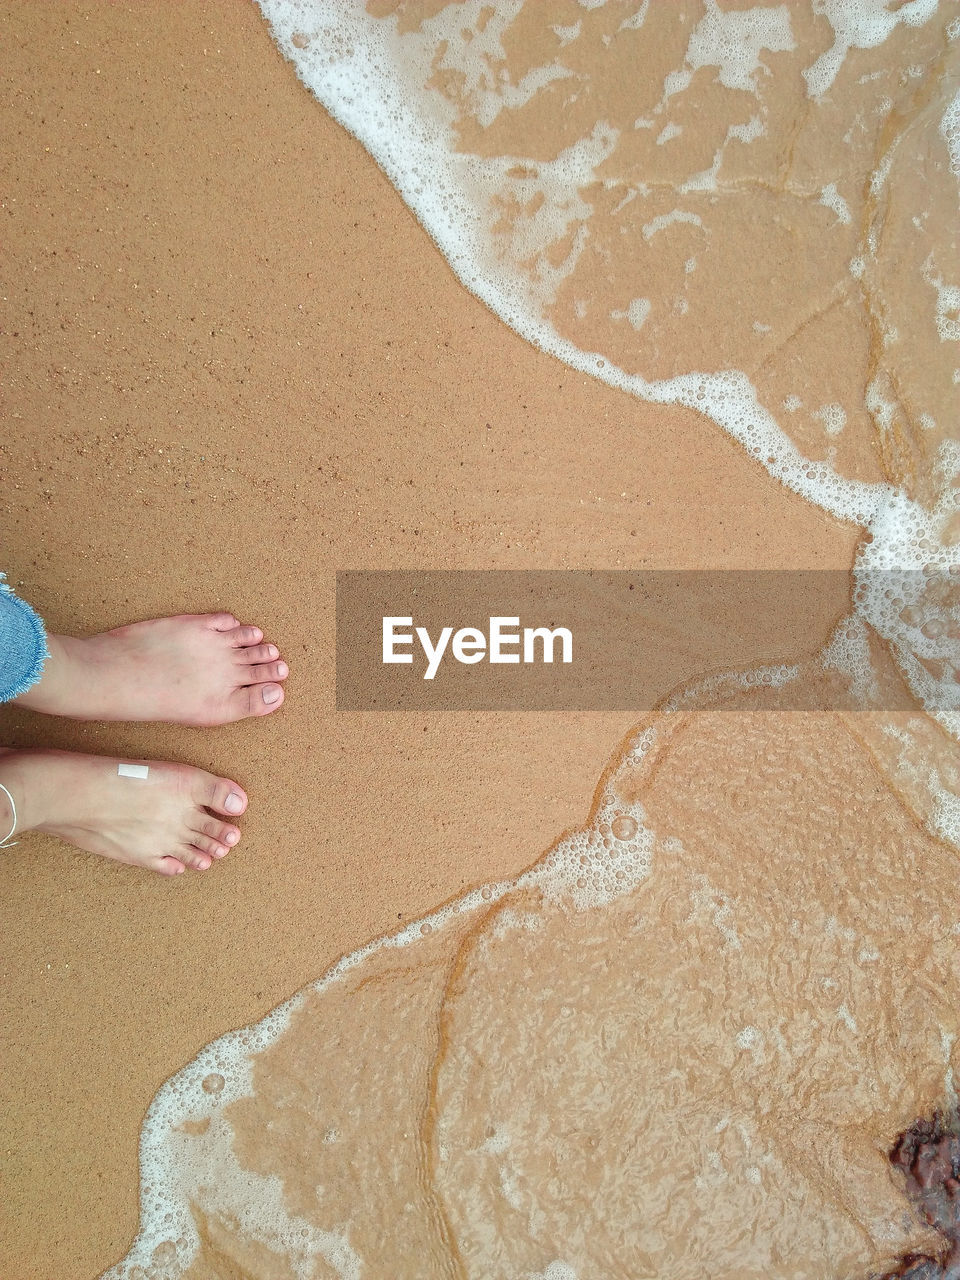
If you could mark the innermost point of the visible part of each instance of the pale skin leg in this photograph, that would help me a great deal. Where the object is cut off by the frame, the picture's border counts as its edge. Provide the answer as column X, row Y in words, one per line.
column 194, row 669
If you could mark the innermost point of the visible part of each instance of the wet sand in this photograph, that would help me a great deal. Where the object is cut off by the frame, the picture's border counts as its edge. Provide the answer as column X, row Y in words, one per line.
column 233, row 363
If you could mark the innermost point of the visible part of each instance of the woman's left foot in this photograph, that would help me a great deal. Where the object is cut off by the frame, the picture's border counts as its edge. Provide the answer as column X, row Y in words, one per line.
column 148, row 813
column 194, row 669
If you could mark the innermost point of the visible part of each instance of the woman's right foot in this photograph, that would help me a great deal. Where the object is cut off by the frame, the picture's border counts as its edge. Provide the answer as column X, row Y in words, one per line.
column 197, row 668
column 165, row 817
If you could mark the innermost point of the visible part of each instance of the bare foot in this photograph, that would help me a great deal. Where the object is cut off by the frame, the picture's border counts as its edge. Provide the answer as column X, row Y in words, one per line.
column 166, row 821
column 196, row 669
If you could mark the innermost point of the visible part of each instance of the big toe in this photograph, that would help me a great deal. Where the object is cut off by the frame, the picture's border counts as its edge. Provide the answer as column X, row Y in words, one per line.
column 255, row 700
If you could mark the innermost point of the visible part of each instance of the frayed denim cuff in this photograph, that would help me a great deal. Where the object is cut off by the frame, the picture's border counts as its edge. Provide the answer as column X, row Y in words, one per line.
column 23, row 644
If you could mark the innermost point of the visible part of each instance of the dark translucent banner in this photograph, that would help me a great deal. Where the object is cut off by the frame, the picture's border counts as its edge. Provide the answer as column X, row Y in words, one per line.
column 577, row 640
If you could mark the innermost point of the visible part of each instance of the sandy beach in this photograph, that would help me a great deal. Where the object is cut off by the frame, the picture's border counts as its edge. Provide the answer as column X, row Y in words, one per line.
column 233, row 364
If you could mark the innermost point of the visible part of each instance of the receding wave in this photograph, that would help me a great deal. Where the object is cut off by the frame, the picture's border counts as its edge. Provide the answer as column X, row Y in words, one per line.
column 685, row 1042
column 749, row 212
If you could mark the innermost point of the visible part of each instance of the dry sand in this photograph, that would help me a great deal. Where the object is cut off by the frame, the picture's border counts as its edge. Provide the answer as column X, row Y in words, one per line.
column 233, row 363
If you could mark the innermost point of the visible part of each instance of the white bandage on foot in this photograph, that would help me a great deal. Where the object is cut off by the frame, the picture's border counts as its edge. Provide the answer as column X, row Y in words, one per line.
column 133, row 770
column 7, row 841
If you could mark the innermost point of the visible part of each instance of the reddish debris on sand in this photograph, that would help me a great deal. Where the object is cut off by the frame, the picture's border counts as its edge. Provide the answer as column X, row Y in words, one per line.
column 929, row 1155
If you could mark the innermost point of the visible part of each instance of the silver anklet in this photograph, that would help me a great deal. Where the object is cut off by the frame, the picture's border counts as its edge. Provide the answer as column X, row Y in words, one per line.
column 7, row 843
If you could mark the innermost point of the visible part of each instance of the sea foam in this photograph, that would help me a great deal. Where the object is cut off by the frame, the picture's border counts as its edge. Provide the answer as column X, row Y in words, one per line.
column 375, row 78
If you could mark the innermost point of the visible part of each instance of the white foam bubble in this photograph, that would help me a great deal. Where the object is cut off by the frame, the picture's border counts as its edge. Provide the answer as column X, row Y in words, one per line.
column 946, row 817
column 749, row 132
column 636, row 312
column 567, row 34
column 833, row 417
column 708, row 900
column 733, row 40
column 847, row 1018
column 906, row 589
column 636, row 20
column 859, row 24
column 950, row 132
column 848, row 652
column 668, row 131
column 664, row 220
column 472, row 48
column 557, row 1270
column 948, row 310
column 832, row 198
column 728, row 683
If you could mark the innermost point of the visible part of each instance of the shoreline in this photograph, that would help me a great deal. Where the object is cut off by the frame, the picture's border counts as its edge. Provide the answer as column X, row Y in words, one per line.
column 217, row 303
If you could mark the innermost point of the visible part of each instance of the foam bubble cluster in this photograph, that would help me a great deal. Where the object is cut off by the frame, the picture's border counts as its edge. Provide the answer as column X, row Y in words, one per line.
column 734, row 40
column 353, row 64
column 907, row 588
column 950, row 131
column 859, row 24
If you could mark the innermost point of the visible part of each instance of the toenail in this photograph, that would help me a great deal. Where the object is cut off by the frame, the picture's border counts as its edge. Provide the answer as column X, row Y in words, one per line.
column 273, row 651
column 270, row 693
column 233, row 803
column 231, row 837
column 282, row 669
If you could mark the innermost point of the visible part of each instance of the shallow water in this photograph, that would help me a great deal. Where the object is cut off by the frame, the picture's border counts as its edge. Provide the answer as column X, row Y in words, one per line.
column 685, row 1042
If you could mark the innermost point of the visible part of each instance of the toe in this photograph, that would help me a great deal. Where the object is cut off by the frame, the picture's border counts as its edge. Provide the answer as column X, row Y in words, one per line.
column 222, row 621
column 258, row 653
column 243, row 637
column 254, row 700
column 223, row 796
column 206, row 845
column 266, row 671
column 168, row 866
column 195, row 858
column 221, row 833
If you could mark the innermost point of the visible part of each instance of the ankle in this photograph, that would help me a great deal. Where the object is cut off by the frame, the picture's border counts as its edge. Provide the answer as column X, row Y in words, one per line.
column 61, row 678
column 24, row 798
column 9, row 818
